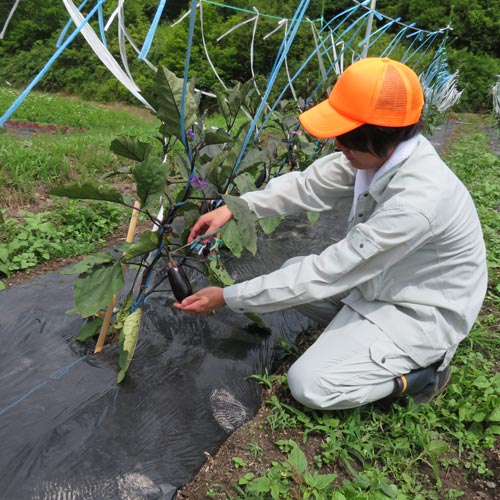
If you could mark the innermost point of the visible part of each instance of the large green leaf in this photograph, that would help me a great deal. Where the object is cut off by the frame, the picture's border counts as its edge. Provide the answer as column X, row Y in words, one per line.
column 253, row 158
column 130, row 147
column 297, row 458
column 151, row 179
column 94, row 289
column 245, row 220
column 128, row 342
column 90, row 190
column 231, row 237
column 168, row 93
column 89, row 262
column 148, row 241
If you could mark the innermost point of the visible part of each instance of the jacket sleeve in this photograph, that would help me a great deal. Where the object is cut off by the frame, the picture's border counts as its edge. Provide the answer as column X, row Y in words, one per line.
column 368, row 249
column 322, row 186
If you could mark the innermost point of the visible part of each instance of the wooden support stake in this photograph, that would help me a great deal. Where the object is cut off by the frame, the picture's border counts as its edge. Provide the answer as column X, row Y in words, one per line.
column 109, row 311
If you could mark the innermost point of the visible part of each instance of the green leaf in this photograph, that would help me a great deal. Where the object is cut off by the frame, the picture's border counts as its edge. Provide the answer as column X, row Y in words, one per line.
column 219, row 136
column 168, row 94
column 245, row 183
column 94, row 289
column 258, row 321
column 253, row 158
column 90, row 262
column 231, row 237
column 269, row 224
column 148, row 241
column 151, row 179
column 494, row 415
column 313, row 217
column 297, row 458
column 130, row 147
column 245, row 220
column 183, row 165
column 437, row 447
column 128, row 342
column 90, row 190
column 322, row 481
column 89, row 330
column 260, row 485
column 338, row 496
column 217, row 273
column 2, row 286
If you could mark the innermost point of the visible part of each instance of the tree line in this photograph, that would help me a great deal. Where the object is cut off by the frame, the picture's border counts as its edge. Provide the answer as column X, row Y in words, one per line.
column 30, row 39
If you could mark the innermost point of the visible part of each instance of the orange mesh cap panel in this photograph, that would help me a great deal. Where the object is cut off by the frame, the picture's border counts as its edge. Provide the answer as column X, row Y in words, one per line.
column 378, row 91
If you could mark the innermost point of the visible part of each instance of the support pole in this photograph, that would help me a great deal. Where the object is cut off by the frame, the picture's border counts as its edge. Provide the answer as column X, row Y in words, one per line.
column 368, row 32
column 109, row 311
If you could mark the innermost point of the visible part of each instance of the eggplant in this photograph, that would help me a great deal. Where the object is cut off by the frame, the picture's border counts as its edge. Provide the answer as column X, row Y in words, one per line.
column 179, row 281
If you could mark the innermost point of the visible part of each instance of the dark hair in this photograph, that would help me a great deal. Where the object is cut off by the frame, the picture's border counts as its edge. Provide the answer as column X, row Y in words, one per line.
column 376, row 139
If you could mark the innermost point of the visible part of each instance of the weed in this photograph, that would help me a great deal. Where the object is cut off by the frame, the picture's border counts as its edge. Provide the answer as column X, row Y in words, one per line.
column 254, row 449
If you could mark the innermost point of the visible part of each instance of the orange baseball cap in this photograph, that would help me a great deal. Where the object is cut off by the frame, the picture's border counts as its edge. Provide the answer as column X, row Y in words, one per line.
column 378, row 91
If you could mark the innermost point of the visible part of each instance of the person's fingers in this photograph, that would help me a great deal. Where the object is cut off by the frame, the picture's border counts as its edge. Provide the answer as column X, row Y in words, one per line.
column 210, row 222
column 197, row 229
column 204, row 301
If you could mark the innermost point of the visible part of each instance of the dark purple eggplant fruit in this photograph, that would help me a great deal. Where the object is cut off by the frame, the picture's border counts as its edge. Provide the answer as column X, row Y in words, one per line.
column 179, row 282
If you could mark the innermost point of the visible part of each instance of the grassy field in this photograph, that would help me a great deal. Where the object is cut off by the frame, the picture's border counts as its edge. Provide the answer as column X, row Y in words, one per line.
column 447, row 450
column 55, row 138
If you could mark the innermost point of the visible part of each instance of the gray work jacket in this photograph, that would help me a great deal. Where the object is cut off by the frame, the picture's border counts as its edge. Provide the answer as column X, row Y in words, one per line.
column 413, row 261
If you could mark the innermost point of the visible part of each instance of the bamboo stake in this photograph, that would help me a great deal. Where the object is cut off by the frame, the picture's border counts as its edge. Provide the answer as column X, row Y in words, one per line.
column 109, row 311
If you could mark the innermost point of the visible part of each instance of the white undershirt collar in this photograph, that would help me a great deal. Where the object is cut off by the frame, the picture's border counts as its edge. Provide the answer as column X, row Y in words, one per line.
column 365, row 179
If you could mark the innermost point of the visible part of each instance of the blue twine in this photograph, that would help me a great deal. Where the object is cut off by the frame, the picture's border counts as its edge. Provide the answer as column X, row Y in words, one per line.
column 56, row 375
column 68, row 24
column 272, row 78
column 100, row 16
column 152, row 30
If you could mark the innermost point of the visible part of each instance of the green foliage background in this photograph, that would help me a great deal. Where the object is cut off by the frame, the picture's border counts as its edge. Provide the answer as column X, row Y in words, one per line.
column 30, row 42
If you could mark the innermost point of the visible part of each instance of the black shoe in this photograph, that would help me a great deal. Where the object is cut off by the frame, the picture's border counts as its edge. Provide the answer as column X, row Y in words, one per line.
column 420, row 386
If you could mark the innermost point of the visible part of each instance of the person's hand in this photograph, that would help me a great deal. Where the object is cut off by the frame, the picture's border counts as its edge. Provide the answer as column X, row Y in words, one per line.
column 210, row 221
column 204, row 301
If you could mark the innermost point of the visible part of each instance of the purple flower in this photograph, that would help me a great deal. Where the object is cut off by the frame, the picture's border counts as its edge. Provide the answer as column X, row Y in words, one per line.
column 196, row 182
column 190, row 134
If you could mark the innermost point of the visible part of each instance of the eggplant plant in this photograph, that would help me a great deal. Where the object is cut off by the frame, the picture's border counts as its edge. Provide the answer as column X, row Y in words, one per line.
column 188, row 169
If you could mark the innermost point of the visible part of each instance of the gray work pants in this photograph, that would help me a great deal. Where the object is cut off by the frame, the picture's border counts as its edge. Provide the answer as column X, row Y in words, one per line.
column 352, row 363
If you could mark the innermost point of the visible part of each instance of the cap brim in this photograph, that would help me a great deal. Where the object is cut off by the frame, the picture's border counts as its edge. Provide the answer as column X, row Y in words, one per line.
column 324, row 122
